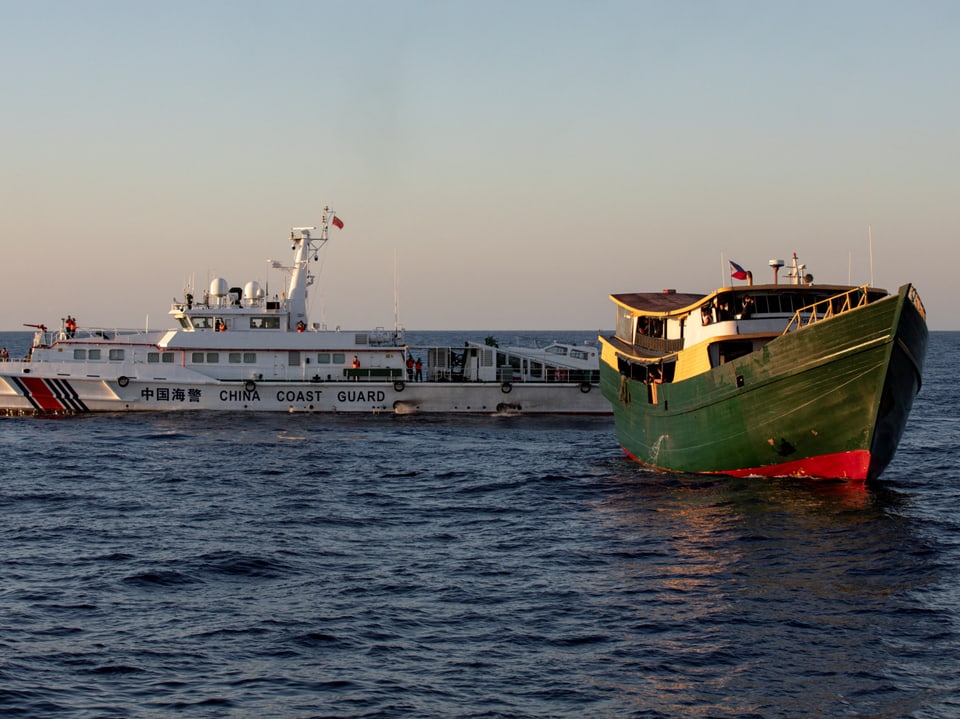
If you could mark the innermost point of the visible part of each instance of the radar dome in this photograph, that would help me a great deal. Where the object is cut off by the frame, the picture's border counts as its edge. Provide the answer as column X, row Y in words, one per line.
column 252, row 291
column 219, row 287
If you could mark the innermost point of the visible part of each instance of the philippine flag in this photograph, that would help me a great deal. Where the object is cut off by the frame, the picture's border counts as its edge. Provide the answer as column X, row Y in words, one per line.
column 737, row 272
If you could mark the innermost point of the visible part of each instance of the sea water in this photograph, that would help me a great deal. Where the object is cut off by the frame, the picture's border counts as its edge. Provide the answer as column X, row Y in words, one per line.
column 257, row 565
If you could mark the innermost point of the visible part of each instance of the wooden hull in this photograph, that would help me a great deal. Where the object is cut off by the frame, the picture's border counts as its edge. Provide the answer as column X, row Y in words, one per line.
column 830, row 400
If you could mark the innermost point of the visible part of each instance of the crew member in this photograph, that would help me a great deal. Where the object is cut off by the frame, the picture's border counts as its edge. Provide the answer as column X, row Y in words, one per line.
column 419, row 366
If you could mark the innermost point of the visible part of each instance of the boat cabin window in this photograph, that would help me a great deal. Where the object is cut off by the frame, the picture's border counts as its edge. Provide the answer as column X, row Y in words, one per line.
column 242, row 357
column 264, row 323
column 722, row 307
column 732, row 349
column 93, row 354
column 208, row 357
column 79, row 354
column 184, row 322
column 624, row 324
column 331, row 358
column 787, row 302
column 556, row 350
column 155, row 357
column 579, row 354
column 202, row 323
column 116, row 354
column 293, row 359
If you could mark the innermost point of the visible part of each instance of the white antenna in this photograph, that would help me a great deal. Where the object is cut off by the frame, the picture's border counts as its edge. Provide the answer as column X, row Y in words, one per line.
column 870, row 243
column 396, row 295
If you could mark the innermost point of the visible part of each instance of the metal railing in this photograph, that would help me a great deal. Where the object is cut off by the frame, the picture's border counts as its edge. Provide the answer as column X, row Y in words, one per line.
column 827, row 308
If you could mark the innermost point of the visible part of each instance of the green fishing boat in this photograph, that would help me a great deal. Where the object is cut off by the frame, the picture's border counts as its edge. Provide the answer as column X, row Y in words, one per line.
column 783, row 379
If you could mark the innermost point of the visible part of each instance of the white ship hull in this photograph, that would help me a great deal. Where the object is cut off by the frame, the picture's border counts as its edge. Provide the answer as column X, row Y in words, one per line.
column 36, row 394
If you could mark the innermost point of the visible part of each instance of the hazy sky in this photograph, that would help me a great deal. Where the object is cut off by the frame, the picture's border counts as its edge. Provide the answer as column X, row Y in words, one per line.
column 521, row 160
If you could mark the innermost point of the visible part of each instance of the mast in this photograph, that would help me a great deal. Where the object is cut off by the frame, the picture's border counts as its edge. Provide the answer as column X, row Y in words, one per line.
column 306, row 247
column 396, row 296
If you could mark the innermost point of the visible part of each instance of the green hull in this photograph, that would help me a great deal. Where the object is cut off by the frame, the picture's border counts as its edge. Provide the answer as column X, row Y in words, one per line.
column 828, row 400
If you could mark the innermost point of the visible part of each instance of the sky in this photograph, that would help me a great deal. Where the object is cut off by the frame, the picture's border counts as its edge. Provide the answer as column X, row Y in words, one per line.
column 497, row 164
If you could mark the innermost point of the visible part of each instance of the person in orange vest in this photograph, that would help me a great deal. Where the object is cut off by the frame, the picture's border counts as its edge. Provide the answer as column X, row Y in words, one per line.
column 356, row 362
column 300, row 326
column 409, row 368
column 419, row 370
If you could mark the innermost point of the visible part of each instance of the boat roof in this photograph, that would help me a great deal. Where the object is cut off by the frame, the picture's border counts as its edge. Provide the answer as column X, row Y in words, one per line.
column 667, row 302
column 657, row 301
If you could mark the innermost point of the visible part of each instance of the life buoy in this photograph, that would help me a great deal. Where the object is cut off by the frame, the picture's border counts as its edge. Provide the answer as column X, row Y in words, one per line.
column 585, row 387
column 249, row 385
column 123, row 381
column 399, row 385
column 506, row 388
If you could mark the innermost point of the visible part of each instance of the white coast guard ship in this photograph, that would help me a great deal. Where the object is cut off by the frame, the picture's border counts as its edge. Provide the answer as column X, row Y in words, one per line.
column 235, row 349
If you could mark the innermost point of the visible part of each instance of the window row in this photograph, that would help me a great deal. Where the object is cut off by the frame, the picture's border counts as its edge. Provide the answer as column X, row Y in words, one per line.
column 335, row 358
column 95, row 354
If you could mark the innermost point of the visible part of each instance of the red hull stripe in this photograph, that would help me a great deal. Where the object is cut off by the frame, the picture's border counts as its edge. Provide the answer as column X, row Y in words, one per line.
column 841, row 465
column 40, row 394
column 50, row 395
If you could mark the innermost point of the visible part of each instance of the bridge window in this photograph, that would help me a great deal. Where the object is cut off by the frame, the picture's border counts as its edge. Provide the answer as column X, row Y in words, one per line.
column 264, row 323
column 116, row 354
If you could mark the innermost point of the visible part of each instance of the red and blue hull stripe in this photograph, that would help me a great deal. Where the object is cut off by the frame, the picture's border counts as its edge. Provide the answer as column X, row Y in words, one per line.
column 50, row 395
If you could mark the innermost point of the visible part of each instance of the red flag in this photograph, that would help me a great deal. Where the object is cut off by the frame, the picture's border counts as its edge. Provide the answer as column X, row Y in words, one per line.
column 337, row 222
column 737, row 272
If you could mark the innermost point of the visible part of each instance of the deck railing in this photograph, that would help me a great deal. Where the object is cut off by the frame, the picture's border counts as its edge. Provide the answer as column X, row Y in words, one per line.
column 827, row 308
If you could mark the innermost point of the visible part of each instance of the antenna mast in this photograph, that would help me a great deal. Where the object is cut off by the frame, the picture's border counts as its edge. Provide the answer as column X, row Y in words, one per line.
column 396, row 295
